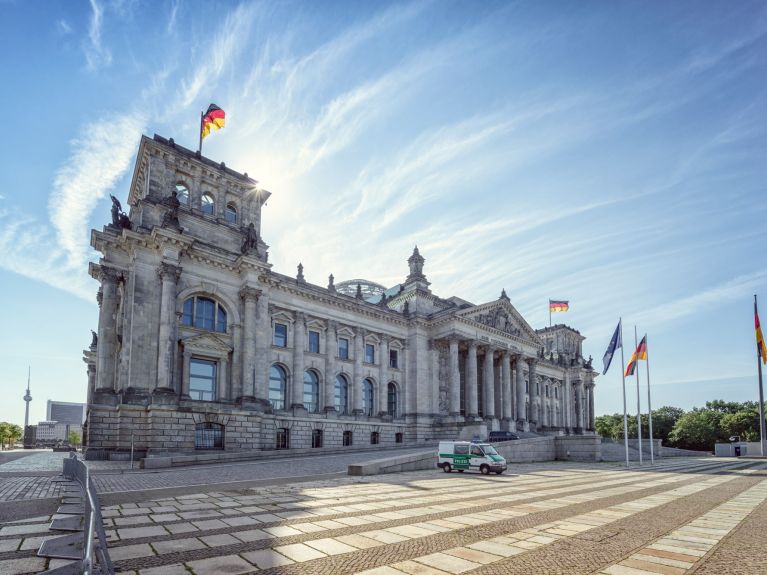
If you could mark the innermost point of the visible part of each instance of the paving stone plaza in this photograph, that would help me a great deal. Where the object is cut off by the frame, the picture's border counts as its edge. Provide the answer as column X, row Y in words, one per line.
column 683, row 515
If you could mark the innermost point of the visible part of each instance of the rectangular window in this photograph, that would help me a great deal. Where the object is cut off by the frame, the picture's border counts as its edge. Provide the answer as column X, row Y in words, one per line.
column 314, row 341
column 393, row 359
column 280, row 335
column 374, row 438
column 316, row 438
column 343, row 348
column 397, row 438
column 202, row 379
column 347, row 438
column 370, row 353
column 283, row 438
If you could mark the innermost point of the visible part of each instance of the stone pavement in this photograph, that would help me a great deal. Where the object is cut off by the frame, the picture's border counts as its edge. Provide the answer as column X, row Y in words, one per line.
column 677, row 517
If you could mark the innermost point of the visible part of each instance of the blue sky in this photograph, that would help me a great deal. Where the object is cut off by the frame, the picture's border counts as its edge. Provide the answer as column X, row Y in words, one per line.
column 613, row 154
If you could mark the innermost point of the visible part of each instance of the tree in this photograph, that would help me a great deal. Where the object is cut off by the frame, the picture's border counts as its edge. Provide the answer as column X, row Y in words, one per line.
column 663, row 420
column 698, row 429
column 744, row 423
column 73, row 438
column 610, row 426
column 9, row 433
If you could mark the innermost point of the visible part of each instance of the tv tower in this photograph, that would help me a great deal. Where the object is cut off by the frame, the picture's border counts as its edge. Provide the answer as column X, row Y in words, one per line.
column 27, row 399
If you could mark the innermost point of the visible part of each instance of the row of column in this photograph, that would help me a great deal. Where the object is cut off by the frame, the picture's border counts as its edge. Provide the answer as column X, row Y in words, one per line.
column 576, row 402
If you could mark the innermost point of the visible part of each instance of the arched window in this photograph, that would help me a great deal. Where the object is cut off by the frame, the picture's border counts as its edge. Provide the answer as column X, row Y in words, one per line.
column 204, row 313
column 391, row 399
column 311, row 391
column 367, row 397
column 207, row 204
column 231, row 213
column 341, row 394
column 278, row 380
column 182, row 194
column 208, row 435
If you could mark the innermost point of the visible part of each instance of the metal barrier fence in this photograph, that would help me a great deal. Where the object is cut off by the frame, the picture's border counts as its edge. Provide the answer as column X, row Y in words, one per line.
column 96, row 556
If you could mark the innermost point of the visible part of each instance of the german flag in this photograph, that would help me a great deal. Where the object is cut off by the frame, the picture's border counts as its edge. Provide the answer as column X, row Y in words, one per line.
column 558, row 305
column 639, row 354
column 761, row 348
column 214, row 118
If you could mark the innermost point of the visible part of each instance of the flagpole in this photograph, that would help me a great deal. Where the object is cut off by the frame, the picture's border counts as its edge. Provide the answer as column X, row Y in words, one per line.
column 761, row 389
column 549, row 313
column 625, row 417
column 639, row 407
column 649, row 402
column 202, row 115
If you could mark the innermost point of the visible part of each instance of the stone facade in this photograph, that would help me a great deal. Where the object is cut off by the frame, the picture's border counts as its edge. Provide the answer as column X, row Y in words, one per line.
column 201, row 345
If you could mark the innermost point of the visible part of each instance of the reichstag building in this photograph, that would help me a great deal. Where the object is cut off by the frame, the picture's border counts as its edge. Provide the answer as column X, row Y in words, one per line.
column 202, row 345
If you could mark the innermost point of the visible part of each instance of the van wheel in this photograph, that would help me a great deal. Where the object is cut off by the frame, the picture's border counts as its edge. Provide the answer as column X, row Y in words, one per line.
column 485, row 470
column 460, row 471
column 446, row 468
column 498, row 472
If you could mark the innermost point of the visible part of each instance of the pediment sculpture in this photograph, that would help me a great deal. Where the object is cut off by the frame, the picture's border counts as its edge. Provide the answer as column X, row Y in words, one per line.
column 499, row 319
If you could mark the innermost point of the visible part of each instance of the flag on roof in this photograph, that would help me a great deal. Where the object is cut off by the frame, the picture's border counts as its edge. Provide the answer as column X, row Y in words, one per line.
column 558, row 305
column 615, row 343
column 214, row 118
column 639, row 354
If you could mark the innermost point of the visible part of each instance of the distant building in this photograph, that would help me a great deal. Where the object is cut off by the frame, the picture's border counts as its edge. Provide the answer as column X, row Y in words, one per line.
column 66, row 412
column 51, row 431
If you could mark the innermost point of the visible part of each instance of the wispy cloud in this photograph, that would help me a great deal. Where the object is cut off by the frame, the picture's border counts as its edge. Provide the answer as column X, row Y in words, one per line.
column 63, row 27
column 99, row 157
column 170, row 27
column 96, row 54
column 739, row 287
column 230, row 39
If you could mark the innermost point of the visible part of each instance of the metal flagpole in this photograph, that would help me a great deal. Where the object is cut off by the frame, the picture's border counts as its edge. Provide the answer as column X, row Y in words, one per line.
column 761, row 389
column 625, row 417
column 639, row 407
column 649, row 402
column 549, row 313
column 202, row 115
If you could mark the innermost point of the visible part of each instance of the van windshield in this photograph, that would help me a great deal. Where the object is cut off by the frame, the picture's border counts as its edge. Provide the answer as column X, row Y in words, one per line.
column 489, row 450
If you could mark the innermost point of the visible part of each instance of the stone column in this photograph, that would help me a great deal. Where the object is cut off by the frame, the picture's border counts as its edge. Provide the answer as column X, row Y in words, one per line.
column 455, row 379
column 330, row 367
column 577, row 387
column 359, row 338
column 506, row 386
column 105, row 357
column 434, row 373
column 185, row 375
column 592, row 422
column 535, row 399
column 471, row 381
column 521, row 413
column 488, row 380
column 263, row 343
column 566, row 399
column 223, row 377
column 381, row 407
column 169, row 275
column 299, row 333
column 249, row 297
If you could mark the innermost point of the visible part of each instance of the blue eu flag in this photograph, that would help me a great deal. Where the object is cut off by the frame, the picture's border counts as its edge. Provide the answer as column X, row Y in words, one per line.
column 615, row 343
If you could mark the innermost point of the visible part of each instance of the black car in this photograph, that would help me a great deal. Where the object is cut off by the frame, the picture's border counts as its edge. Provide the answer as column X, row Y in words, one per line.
column 501, row 436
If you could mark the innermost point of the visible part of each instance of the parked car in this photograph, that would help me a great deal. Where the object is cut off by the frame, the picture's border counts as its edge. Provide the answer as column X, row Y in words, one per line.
column 463, row 455
column 502, row 436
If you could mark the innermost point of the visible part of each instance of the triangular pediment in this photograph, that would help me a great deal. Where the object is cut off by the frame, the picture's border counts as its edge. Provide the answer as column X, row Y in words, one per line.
column 206, row 342
column 500, row 315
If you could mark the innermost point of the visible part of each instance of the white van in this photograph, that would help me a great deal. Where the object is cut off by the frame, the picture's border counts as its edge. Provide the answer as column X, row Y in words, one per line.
column 462, row 455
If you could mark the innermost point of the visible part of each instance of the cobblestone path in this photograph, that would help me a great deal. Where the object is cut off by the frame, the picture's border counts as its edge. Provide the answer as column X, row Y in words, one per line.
column 675, row 518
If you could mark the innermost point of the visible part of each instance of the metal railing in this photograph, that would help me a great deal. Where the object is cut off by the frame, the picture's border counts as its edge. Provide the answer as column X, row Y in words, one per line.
column 96, row 556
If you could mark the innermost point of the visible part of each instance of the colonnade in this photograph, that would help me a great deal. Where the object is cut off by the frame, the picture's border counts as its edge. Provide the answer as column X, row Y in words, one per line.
column 505, row 386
